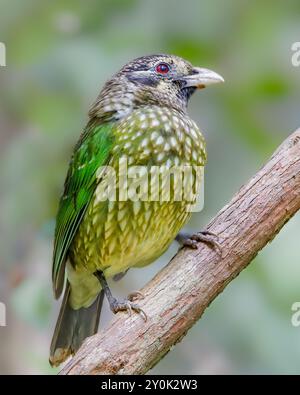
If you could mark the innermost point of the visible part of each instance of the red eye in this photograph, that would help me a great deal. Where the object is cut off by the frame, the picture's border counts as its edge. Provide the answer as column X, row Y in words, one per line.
column 162, row 68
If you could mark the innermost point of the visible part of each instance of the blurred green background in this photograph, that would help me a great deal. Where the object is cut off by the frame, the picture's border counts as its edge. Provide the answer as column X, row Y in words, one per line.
column 59, row 53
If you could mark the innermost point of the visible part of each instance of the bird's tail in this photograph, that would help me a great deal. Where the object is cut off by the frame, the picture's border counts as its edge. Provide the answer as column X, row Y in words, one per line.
column 72, row 327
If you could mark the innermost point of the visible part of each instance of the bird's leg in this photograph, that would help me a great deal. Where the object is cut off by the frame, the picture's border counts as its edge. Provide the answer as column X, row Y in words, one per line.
column 116, row 305
column 191, row 240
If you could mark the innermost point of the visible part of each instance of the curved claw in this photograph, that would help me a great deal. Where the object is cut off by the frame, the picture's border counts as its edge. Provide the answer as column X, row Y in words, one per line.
column 128, row 306
column 191, row 243
column 209, row 233
column 209, row 239
column 205, row 236
column 135, row 295
column 140, row 311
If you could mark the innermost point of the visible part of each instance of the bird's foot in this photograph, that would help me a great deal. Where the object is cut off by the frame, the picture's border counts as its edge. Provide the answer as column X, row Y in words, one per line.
column 128, row 305
column 205, row 236
column 125, row 305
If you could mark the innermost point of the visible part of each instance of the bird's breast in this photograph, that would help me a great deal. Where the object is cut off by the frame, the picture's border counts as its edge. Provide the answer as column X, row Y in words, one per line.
column 148, row 205
column 159, row 136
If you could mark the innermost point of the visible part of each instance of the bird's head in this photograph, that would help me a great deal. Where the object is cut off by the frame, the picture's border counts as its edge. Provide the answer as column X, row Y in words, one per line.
column 163, row 80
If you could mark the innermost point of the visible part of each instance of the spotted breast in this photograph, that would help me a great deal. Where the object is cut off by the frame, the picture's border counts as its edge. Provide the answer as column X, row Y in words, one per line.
column 117, row 233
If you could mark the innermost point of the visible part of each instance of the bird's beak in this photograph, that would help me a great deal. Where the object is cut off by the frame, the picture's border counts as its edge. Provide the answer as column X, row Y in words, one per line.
column 200, row 78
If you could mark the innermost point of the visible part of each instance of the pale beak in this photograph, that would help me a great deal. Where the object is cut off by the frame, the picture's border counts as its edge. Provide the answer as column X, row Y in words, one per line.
column 201, row 78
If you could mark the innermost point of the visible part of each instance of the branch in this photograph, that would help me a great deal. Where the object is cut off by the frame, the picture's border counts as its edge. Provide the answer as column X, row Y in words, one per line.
column 178, row 295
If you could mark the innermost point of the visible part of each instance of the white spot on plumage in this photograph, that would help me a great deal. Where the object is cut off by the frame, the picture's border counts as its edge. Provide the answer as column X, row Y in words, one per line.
column 182, row 124
column 160, row 140
column 176, row 121
column 154, row 135
column 130, row 160
column 107, row 108
column 194, row 134
column 146, row 152
column 168, row 163
column 173, row 142
column 176, row 161
column 160, row 156
column 180, row 136
column 95, row 219
column 167, row 127
column 126, row 101
column 118, row 106
column 167, row 147
column 88, row 228
column 155, row 123
column 145, row 143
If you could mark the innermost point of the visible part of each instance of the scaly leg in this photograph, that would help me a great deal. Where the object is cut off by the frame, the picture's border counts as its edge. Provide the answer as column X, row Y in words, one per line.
column 125, row 305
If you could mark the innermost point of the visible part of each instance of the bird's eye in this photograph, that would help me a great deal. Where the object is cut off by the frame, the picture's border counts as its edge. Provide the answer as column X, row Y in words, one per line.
column 162, row 68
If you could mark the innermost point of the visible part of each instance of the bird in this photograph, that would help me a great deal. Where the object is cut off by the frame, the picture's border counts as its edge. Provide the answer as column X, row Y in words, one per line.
column 139, row 118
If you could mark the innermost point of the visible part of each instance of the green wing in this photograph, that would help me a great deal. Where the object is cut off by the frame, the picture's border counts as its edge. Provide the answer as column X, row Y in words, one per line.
column 92, row 150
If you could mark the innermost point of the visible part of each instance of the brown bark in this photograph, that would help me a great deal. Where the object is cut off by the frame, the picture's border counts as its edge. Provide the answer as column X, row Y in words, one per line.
column 178, row 295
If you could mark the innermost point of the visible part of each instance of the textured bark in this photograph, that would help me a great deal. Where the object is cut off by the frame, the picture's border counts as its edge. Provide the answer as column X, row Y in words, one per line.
column 178, row 295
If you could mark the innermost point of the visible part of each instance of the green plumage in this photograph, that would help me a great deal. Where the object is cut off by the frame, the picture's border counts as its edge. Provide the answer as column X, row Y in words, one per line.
column 91, row 152
column 140, row 116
